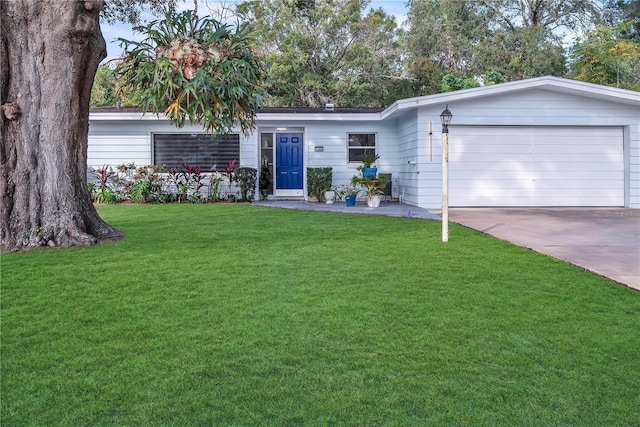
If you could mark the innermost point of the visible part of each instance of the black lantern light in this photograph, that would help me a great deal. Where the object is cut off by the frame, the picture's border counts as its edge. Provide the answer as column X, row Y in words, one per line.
column 445, row 118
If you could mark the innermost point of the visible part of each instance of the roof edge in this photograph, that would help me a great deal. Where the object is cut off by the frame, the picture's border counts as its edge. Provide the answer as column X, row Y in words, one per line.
column 558, row 83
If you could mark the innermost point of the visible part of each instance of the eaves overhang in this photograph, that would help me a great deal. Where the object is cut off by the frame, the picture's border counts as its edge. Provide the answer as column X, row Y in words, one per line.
column 266, row 115
column 319, row 117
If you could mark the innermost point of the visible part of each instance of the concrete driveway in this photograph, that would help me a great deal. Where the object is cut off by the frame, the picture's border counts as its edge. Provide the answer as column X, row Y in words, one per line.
column 605, row 241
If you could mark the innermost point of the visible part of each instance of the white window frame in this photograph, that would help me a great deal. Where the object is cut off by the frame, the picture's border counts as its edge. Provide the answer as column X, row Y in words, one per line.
column 220, row 163
column 351, row 148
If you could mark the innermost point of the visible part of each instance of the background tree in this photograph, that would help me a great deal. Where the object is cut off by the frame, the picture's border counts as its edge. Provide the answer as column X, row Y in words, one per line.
column 451, row 82
column 491, row 40
column 103, row 92
column 521, row 54
column 527, row 35
column 442, row 36
column 325, row 51
column 130, row 11
column 617, row 11
column 551, row 15
column 607, row 56
column 108, row 89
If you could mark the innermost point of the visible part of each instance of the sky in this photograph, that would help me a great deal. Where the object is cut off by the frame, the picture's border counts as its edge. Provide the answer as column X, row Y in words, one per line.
column 112, row 32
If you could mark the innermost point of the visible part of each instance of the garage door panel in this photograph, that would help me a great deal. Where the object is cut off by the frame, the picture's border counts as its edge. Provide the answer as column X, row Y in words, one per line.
column 491, row 200
column 484, row 158
column 489, row 147
column 561, row 175
column 581, row 158
column 564, row 133
column 614, row 168
column 574, row 184
column 502, row 176
column 536, row 166
column 494, row 197
column 583, row 141
column 480, row 184
column 573, row 148
column 494, row 166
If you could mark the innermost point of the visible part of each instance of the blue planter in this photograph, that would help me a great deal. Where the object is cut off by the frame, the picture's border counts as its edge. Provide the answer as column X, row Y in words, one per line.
column 369, row 172
column 351, row 200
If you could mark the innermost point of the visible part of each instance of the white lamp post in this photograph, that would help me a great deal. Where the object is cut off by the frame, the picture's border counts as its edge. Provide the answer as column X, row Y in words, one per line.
column 445, row 118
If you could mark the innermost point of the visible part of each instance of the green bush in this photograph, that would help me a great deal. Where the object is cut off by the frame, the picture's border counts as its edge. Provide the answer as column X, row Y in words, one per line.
column 318, row 181
column 106, row 195
column 246, row 179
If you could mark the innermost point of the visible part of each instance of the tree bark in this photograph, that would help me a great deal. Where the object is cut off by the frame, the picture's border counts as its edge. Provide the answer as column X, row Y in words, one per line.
column 49, row 53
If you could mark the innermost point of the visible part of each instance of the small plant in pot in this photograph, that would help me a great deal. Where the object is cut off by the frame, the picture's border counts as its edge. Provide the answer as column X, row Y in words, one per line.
column 367, row 169
column 347, row 192
column 266, row 180
column 373, row 187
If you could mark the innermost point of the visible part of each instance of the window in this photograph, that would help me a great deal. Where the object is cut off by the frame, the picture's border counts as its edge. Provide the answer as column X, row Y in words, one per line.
column 360, row 144
column 208, row 152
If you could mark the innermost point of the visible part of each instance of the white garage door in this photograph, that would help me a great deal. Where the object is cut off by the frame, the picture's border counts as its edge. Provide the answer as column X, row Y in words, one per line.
column 535, row 166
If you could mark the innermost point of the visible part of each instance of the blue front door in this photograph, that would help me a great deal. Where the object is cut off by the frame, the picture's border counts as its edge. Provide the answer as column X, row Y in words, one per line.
column 289, row 171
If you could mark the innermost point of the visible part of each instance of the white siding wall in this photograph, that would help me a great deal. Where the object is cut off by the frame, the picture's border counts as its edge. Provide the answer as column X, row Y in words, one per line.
column 249, row 151
column 117, row 142
column 632, row 153
column 332, row 136
column 408, row 158
column 114, row 142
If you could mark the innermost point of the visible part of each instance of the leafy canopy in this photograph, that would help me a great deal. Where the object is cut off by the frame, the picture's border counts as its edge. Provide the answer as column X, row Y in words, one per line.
column 489, row 40
column 606, row 56
column 196, row 68
column 326, row 51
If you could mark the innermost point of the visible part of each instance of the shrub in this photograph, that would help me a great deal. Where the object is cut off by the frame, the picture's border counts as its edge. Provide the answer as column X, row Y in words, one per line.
column 246, row 179
column 318, row 181
column 215, row 180
column 106, row 195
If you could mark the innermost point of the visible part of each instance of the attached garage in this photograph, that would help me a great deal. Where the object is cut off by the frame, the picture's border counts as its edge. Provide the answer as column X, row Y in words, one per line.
column 536, row 166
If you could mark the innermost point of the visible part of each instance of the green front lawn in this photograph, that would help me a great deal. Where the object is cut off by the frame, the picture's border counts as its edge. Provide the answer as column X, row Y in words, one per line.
column 242, row 315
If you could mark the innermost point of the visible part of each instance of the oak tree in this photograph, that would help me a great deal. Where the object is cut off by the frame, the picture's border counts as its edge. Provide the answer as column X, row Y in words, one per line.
column 49, row 53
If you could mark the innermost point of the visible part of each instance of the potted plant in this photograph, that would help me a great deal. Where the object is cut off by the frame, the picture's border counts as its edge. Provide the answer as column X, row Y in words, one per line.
column 266, row 180
column 373, row 187
column 329, row 197
column 367, row 169
column 318, row 181
column 347, row 192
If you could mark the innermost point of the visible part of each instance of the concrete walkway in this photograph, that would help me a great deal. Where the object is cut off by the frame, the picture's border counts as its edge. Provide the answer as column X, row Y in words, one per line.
column 393, row 209
column 604, row 241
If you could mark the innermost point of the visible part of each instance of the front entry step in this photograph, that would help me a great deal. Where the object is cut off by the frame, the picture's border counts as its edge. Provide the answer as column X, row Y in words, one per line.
column 286, row 198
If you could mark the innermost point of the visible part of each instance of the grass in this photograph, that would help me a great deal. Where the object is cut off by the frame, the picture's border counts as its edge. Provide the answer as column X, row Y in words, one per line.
column 241, row 315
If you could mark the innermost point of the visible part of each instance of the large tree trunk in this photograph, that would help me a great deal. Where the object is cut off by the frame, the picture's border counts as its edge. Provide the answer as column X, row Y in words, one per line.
column 49, row 53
